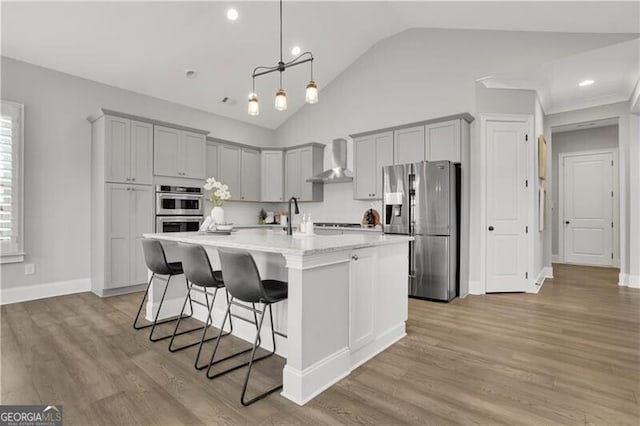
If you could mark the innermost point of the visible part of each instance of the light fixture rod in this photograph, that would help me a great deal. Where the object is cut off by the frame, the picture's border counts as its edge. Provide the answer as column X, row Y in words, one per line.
column 269, row 70
column 280, row 30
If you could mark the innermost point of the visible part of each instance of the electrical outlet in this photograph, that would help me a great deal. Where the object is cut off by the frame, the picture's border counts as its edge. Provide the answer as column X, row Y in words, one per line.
column 29, row 268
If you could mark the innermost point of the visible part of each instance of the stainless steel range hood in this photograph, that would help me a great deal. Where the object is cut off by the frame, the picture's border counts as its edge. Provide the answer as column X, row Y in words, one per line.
column 338, row 172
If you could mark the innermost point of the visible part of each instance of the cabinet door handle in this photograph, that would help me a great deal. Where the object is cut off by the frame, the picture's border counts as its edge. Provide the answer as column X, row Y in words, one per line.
column 133, row 179
column 354, row 257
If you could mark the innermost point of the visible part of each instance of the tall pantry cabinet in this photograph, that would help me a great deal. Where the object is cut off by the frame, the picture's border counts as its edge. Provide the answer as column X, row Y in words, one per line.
column 121, row 201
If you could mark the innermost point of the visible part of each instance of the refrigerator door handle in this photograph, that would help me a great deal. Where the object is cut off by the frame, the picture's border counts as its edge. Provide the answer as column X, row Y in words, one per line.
column 412, row 260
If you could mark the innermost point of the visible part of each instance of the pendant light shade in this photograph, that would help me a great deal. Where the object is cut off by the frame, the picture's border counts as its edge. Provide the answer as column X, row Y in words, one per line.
column 311, row 94
column 281, row 100
column 254, row 107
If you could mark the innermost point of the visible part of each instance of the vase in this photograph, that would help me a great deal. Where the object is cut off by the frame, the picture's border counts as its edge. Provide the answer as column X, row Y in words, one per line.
column 217, row 215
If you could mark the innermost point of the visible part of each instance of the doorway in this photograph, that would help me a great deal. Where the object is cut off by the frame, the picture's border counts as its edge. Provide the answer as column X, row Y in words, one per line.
column 586, row 201
column 587, row 197
column 506, row 221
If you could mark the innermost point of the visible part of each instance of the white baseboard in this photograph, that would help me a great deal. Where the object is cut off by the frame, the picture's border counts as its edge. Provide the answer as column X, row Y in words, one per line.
column 475, row 287
column 555, row 258
column 631, row 281
column 42, row 291
column 545, row 272
column 305, row 385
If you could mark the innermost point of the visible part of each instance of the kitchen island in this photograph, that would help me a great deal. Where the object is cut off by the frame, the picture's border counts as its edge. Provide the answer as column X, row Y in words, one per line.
column 347, row 298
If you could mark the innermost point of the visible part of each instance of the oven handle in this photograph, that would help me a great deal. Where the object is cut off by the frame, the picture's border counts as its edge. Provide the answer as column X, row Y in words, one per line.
column 179, row 196
column 178, row 218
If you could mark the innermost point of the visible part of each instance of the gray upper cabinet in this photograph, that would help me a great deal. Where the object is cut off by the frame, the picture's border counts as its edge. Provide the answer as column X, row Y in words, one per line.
column 141, row 152
column 166, row 156
column 178, row 153
column 301, row 164
column 371, row 153
column 292, row 174
column 383, row 143
column 443, row 141
column 213, row 160
column 230, row 169
column 249, row 175
column 409, row 146
column 272, row 173
column 128, row 151
column 193, row 155
column 364, row 157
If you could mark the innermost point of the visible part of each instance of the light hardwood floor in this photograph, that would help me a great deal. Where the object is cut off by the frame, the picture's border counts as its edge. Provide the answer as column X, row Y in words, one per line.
column 568, row 355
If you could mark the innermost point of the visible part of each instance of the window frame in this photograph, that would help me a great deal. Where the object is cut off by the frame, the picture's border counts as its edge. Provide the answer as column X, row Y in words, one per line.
column 17, row 254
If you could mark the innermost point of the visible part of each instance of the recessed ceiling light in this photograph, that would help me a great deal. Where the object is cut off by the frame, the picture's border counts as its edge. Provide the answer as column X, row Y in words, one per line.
column 232, row 14
column 296, row 50
column 585, row 83
column 191, row 74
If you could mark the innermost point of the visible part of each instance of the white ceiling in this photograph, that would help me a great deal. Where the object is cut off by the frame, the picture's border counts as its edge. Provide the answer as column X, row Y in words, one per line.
column 615, row 70
column 146, row 46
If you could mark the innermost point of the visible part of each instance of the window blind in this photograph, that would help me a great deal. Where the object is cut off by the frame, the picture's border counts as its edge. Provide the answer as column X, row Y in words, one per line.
column 10, row 168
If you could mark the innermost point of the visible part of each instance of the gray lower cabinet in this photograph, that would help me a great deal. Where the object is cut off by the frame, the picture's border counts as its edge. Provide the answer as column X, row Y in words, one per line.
column 362, row 289
column 272, row 176
column 301, row 164
column 178, row 153
column 128, row 214
column 371, row 153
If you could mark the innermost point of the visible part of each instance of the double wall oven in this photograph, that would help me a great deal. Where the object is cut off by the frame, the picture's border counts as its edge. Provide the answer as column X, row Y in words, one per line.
column 179, row 208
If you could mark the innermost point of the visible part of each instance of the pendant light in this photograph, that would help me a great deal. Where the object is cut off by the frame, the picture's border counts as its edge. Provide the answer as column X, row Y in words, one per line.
column 311, row 92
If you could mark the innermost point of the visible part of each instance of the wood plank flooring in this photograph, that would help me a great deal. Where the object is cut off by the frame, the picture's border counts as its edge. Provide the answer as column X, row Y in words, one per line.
column 568, row 355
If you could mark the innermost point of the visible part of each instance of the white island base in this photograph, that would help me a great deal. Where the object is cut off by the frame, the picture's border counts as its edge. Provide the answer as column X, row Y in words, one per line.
column 347, row 299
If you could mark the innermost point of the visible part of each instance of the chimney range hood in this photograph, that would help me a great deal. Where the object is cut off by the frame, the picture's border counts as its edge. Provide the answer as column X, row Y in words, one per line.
column 338, row 172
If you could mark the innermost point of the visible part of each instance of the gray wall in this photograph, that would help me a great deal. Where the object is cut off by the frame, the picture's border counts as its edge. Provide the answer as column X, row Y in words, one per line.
column 57, row 161
column 428, row 73
column 575, row 141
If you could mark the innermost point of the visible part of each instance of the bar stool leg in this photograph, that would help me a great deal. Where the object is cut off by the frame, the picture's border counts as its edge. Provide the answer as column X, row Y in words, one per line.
column 253, row 353
column 155, row 321
column 184, row 305
column 204, row 333
column 135, row 321
column 256, row 344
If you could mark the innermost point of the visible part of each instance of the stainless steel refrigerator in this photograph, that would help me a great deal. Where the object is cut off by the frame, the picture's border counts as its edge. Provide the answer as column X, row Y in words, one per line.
column 422, row 199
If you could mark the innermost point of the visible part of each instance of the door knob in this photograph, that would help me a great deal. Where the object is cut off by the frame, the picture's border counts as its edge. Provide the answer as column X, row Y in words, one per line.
column 566, row 222
column 354, row 257
column 491, row 228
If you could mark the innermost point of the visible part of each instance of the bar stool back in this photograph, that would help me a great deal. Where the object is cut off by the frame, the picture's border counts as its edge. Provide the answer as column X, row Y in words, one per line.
column 243, row 282
column 156, row 262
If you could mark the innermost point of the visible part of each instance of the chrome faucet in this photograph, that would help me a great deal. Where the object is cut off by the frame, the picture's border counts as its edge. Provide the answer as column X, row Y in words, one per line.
column 290, row 221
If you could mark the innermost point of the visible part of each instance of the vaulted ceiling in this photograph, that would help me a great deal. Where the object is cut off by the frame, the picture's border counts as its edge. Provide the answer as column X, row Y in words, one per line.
column 146, row 47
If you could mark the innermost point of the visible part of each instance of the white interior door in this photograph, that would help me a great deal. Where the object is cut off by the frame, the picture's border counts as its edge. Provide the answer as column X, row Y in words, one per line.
column 506, row 251
column 588, row 209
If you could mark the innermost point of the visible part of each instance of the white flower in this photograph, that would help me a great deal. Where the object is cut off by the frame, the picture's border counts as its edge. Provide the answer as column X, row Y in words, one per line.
column 225, row 187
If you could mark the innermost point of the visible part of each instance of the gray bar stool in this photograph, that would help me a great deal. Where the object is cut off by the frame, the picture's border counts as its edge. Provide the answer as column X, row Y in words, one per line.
column 200, row 278
column 156, row 261
column 243, row 282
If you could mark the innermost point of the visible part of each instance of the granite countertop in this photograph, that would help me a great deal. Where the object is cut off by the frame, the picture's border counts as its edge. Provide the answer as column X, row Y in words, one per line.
column 276, row 241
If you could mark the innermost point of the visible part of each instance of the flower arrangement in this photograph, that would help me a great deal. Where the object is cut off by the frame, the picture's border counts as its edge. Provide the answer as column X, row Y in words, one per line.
column 219, row 191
